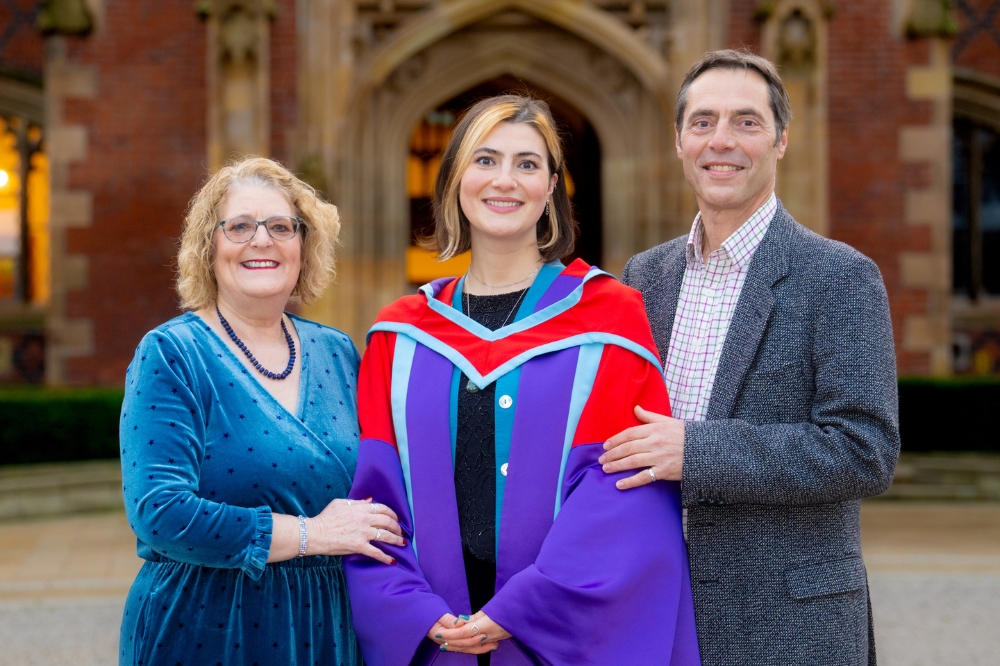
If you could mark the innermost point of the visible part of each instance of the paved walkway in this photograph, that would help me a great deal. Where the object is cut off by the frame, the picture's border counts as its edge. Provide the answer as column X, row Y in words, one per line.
column 934, row 570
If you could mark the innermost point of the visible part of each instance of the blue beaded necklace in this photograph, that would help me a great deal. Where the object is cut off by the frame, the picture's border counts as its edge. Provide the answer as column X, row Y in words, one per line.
column 264, row 371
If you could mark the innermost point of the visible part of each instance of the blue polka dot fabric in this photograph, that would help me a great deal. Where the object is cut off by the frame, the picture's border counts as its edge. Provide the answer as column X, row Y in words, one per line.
column 207, row 456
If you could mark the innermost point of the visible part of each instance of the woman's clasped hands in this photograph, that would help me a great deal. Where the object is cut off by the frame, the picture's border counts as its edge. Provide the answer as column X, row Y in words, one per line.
column 477, row 634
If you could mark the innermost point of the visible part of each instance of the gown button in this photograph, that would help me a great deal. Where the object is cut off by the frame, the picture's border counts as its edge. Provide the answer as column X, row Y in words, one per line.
column 503, row 469
column 506, row 401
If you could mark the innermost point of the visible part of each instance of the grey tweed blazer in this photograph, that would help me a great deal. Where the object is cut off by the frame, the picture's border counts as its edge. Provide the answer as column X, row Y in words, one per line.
column 802, row 423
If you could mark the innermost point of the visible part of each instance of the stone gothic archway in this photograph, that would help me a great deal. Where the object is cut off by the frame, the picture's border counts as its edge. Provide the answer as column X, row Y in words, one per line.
column 601, row 68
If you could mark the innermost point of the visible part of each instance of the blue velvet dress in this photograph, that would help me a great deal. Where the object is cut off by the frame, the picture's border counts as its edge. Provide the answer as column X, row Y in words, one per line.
column 207, row 455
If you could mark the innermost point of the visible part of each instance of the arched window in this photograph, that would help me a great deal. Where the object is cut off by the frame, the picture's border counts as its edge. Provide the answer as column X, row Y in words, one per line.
column 25, row 283
column 24, row 250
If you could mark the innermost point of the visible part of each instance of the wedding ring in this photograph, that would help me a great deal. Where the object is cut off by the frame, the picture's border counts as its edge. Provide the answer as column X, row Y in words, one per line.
column 475, row 628
column 446, row 645
column 652, row 477
column 374, row 508
column 378, row 533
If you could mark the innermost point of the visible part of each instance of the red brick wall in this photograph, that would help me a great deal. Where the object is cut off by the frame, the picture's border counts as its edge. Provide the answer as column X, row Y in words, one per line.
column 284, row 107
column 743, row 29
column 866, row 107
column 22, row 51
column 146, row 155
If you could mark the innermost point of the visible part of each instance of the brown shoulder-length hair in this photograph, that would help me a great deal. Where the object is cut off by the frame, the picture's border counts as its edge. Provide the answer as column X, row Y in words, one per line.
column 556, row 230
column 196, row 283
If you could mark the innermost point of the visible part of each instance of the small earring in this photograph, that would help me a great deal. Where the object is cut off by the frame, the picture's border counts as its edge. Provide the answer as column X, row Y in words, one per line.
column 546, row 209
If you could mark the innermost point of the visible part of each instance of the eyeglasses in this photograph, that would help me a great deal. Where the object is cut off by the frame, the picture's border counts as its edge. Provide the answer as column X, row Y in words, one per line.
column 242, row 229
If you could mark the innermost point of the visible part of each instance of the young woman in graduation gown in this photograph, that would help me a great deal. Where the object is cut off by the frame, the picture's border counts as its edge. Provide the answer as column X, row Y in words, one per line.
column 484, row 403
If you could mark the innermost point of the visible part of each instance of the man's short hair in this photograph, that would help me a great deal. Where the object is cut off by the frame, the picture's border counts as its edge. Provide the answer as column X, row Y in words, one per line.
column 740, row 60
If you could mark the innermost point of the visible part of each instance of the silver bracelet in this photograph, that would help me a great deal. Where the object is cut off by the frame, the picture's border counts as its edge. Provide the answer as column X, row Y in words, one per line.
column 303, row 536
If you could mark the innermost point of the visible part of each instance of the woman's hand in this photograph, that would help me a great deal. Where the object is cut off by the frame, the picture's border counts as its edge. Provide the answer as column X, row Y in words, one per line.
column 469, row 635
column 354, row 526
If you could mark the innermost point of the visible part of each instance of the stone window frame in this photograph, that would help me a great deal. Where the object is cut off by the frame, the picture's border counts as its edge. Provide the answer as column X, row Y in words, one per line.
column 976, row 98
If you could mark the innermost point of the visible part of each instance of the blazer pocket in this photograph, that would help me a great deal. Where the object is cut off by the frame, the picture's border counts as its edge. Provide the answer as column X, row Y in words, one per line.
column 826, row 578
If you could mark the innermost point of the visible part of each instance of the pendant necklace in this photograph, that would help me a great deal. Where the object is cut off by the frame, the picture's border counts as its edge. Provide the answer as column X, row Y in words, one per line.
column 261, row 369
column 470, row 386
column 509, row 284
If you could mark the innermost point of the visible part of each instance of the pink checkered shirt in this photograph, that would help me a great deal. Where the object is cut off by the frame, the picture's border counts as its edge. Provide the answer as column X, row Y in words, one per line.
column 709, row 292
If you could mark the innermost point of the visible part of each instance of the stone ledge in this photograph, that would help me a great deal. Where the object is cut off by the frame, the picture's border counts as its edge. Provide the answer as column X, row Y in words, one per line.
column 59, row 488
column 929, row 476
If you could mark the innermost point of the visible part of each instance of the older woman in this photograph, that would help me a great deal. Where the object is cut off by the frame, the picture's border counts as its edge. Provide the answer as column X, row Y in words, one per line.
column 485, row 402
column 239, row 440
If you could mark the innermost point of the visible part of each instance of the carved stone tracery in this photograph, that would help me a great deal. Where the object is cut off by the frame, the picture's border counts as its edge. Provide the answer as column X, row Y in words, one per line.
column 377, row 20
column 238, row 77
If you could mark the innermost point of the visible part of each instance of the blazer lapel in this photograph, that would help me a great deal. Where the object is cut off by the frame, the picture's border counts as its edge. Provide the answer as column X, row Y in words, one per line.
column 753, row 310
column 662, row 314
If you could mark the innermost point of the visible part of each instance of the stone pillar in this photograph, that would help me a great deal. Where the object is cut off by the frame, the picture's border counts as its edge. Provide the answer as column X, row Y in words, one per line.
column 238, row 68
column 794, row 37
column 70, row 208
column 930, row 207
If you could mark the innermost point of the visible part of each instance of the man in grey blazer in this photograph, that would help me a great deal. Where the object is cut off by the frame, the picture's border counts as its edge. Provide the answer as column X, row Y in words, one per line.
column 778, row 356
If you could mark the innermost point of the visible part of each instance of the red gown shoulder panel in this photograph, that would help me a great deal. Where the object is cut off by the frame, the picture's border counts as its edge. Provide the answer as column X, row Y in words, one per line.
column 375, row 389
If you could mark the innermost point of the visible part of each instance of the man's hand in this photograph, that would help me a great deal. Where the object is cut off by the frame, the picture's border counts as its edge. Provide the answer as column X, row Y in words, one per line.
column 657, row 445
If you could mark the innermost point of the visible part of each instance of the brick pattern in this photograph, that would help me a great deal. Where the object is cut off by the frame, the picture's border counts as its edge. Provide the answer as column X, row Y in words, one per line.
column 284, row 107
column 22, row 51
column 977, row 44
column 145, row 158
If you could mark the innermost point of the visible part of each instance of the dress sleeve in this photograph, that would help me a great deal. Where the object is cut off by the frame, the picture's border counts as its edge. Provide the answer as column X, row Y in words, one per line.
column 611, row 580
column 163, row 438
column 392, row 606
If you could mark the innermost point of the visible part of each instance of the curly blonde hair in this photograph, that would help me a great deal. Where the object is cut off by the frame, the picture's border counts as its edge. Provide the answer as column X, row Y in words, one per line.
column 196, row 283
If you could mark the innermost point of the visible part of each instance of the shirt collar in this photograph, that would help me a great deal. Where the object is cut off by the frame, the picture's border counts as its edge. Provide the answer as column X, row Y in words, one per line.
column 740, row 246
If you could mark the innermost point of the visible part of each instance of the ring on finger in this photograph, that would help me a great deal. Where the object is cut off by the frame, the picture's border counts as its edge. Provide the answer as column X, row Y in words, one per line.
column 349, row 502
column 374, row 507
column 378, row 533
column 652, row 476
column 475, row 628
column 445, row 645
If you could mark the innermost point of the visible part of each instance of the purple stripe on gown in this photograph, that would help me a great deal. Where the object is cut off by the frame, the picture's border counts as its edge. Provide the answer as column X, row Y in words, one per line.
column 558, row 290
column 379, row 590
column 533, row 469
column 432, row 479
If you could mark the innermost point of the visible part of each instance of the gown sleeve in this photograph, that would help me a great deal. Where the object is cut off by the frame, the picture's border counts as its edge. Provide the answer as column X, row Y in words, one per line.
column 380, row 591
column 163, row 439
column 611, row 581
